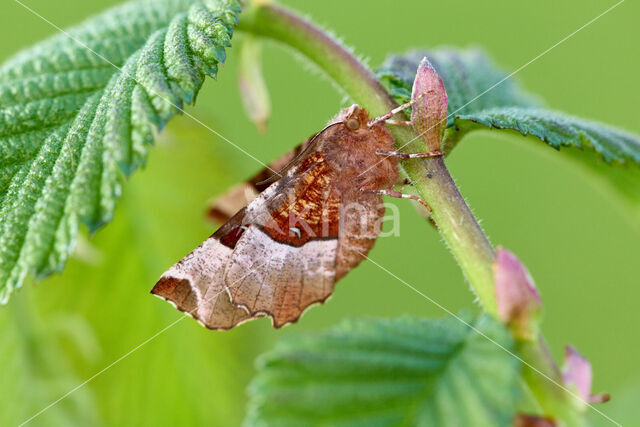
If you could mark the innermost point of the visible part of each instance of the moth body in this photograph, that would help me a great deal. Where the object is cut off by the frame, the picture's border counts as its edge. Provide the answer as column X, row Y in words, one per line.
column 288, row 247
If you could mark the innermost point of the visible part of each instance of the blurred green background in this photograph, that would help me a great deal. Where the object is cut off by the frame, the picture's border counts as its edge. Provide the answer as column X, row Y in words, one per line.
column 578, row 241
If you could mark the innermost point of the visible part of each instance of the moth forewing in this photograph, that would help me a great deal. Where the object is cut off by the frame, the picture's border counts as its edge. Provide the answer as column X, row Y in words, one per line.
column 194, row 286
column 285, row 251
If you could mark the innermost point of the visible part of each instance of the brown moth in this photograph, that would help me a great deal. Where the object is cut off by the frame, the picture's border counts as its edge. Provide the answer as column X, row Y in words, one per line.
column 297, row 237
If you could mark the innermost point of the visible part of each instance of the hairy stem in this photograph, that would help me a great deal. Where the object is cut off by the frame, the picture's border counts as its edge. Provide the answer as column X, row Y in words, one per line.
column 551, row 398
column 430, row 177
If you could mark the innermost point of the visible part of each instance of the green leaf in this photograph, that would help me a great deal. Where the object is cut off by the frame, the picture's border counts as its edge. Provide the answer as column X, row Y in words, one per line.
column 467, row 75
column 76, row 117
column 558, row 130
column 389, row 372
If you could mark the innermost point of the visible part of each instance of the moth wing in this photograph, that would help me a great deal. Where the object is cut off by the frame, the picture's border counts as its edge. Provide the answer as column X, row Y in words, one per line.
column 360, row 226
column 195, row 286
column 280, row 280
column 224, row 207
column 285, row 260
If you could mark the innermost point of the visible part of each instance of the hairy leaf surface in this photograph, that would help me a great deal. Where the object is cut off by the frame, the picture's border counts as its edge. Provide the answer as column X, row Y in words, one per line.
column 77, row 114
column 558, row 130
column 389, row 372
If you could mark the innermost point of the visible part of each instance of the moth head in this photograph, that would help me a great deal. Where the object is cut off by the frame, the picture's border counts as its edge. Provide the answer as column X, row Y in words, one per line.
column 353, row 123
column 354, row 118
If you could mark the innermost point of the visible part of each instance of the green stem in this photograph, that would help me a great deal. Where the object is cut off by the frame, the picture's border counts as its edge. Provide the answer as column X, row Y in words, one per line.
column 553, row 399
column 430, row 177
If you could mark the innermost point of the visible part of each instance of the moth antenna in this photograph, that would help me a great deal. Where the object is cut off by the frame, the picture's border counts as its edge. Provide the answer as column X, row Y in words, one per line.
column 281, row 172
column 387, row 116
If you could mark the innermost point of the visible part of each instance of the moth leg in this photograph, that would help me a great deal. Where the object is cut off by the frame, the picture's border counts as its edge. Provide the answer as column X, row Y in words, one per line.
column 399, row 195
column 387, row 116
column 402, row 155
column 398, row 122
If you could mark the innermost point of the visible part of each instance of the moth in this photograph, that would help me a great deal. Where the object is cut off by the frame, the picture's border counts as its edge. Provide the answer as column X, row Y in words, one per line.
column 286, row 249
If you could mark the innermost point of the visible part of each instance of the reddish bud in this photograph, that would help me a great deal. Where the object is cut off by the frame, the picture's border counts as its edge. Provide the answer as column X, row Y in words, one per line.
column 518, row 300
column 429, row 113
column 525, row 420
column 577, row 374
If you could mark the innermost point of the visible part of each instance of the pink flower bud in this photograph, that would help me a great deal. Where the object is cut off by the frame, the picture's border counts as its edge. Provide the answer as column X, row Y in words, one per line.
column 429, row 113
column 577, row 373
column 518, row 300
